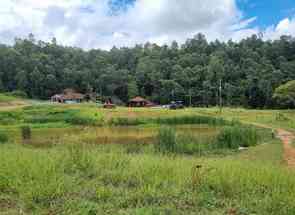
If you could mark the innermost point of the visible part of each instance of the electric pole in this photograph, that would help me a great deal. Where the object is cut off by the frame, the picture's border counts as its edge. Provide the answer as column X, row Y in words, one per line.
column 220, row 96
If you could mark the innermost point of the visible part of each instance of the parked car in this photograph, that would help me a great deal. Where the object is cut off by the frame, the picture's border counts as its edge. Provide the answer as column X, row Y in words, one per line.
column 176, row 105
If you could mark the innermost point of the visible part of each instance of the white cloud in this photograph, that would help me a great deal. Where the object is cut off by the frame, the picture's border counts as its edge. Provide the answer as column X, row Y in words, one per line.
column 284, row 27
column 88, row 23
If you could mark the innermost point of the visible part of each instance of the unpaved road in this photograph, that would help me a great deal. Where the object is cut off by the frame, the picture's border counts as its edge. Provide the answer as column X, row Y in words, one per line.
column 287, row 138
column 289, row 151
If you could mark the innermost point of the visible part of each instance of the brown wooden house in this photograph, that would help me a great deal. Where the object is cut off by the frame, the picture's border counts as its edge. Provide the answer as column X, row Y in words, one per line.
column 68, row 96
column 140, row 102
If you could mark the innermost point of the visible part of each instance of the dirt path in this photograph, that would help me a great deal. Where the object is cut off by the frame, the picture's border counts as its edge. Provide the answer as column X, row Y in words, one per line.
column 289, row 150
column 287, row 138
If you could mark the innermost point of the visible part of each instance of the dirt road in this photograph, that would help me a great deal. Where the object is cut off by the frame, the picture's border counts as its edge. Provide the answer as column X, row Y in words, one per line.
column 289, row 150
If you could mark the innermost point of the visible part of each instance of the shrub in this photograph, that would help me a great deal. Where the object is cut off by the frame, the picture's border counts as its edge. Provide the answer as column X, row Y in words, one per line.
column 124, row 121
column 18, row 93
column 79, row 120
column 26, row 132
column 3, row 137
column 233, row 137
column 189, row 144
column 284, row 95
column 166, row 140
column 78, row 158
column 194, row 119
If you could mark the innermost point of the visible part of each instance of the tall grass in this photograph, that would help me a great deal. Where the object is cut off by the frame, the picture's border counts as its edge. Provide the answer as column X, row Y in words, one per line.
column 177, row 120
column 78, row 158
column 237, row 136
column 123, row 121
column 192, row 119
column 3, row 137
column 26, row 132
column 230, row 137
column 40, row 183
column 166, row 140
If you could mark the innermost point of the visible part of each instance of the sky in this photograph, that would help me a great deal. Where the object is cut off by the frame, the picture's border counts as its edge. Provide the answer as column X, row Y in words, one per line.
column 103, row 24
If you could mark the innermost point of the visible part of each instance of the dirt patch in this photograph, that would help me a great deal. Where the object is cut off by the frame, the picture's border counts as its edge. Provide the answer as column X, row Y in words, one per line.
column 289, row 151
column 6, row 106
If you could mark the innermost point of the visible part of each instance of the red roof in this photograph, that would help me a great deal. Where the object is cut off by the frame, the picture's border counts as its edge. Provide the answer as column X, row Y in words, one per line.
column 69, row 94
column 138, row 99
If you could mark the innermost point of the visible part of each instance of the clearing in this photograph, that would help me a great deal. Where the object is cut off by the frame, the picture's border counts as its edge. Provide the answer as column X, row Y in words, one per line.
column 71, row 166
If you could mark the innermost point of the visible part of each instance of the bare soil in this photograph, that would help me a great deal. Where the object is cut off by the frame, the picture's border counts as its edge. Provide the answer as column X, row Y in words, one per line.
column 289, row 151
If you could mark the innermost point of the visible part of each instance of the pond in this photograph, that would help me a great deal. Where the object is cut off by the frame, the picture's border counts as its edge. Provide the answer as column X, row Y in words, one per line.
column 113, row 135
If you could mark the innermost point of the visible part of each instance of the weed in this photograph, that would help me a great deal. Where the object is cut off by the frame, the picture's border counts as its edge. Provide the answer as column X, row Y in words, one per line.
column 236, row 136
column 3, row 137
column 26, row 133
column 78, row 158
column 166, row 140
column 121, row 121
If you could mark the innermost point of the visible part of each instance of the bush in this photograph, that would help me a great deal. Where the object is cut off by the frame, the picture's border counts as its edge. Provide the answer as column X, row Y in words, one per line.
column 236, row 136
column 18, row 93
column 166, row 140
column 189, row 144
column 3, row 137
column 79, row 120
column 124, row 121
column 78, row 158
column 284, row 95
column 26, row 132
column 195, row 119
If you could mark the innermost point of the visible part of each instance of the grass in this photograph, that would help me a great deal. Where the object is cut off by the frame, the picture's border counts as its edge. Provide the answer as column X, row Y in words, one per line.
column 39, row 116
column 72, row 174
column 3, row 138
column 93, row 180
column 228, row 138
column 237, row 136
column 6, row 98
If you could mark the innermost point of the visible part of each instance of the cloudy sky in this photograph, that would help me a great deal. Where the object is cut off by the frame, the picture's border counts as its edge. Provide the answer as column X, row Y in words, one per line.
column 105, row 23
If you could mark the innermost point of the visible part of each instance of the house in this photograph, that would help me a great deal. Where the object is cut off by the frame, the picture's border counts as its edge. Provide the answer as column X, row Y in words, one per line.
column 109, row 104
column 68, row 96
column 140, row 102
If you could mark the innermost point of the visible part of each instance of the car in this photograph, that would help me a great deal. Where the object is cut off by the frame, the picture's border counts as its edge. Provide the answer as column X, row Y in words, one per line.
column 176, row 105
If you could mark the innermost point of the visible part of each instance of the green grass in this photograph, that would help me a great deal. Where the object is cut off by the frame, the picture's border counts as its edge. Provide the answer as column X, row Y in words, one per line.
column 237, row 136
column 45, row 116
column 84, row 179
column 3, row 137
column 71, row 174
column 6, row 98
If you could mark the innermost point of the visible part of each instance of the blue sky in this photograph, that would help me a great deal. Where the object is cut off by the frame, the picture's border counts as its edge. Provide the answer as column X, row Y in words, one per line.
column 268, row 12
column 107, row 23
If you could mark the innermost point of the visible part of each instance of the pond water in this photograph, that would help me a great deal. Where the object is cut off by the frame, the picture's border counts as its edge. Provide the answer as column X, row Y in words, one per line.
column 114, row 135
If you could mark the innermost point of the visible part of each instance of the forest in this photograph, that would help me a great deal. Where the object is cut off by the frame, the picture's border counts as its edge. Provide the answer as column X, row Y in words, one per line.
column 248, row 71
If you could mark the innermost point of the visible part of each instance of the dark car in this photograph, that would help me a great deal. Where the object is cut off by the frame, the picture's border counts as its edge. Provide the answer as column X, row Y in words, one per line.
column 176, row 105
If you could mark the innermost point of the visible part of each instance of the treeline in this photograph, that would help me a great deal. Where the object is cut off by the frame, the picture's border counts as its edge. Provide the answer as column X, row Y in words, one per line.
column 249, row 71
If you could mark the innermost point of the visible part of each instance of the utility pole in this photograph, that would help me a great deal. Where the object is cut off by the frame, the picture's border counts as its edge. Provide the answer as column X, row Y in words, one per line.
column 220, row 96
column 190, row 97
column 100, row 93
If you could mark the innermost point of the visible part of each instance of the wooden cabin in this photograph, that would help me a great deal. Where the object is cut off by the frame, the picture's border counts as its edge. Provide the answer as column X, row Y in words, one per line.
column 68, row 96
column 140, row 102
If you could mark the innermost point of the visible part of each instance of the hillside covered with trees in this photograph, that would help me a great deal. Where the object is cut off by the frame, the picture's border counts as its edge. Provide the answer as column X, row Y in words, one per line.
column 250, row 70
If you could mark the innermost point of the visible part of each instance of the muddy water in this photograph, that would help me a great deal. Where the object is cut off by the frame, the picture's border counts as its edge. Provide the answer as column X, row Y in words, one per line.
column 114, row 135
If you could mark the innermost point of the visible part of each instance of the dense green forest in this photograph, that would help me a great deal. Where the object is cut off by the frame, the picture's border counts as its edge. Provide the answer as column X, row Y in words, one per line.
column 249, row 70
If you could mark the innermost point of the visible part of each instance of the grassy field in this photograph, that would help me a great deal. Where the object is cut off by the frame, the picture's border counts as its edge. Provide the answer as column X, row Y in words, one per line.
column 65, row 169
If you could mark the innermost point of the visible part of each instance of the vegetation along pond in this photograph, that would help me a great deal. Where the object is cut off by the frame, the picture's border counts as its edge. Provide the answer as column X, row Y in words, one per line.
column 114, row 135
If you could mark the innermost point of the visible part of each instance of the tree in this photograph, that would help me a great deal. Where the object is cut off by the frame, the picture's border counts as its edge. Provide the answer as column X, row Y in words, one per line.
column 256, row 97
column 36, row 78
column 132, row 89
column 22, row 81
column 250, row 70
column 284, row 95
column 215, row 75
